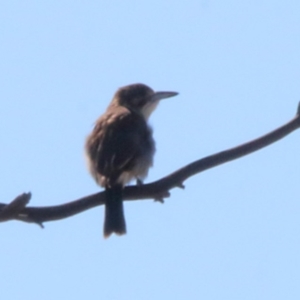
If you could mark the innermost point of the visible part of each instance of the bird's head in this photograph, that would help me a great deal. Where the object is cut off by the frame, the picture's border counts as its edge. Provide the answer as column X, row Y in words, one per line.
column 140, row 97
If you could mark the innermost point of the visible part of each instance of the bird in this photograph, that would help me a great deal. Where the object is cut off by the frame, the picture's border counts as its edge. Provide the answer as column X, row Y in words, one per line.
column 121, row 148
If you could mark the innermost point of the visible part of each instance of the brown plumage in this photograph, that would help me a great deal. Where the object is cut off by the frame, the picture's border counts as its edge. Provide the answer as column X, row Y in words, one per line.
column 121, row 147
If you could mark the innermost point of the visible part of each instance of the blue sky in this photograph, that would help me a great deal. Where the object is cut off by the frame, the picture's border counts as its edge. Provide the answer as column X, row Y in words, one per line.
column 234, row 232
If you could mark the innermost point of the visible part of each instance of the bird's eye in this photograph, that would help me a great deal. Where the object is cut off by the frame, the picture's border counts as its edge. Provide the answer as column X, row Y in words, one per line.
column 139, row 101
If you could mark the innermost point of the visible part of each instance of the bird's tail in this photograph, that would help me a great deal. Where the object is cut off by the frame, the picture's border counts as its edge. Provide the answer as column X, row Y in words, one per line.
column 114, row 215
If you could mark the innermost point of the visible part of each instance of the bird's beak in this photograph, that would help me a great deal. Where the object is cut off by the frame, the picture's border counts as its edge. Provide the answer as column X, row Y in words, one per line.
column 162, row 95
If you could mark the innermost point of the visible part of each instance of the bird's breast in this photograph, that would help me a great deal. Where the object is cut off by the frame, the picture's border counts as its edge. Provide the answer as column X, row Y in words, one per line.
column 142, row 162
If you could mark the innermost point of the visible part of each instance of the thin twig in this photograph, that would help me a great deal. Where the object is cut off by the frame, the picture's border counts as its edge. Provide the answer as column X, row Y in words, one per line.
column 158, row 190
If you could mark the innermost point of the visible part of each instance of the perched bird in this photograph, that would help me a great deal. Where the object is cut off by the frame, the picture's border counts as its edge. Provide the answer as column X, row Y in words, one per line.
column 121, row 147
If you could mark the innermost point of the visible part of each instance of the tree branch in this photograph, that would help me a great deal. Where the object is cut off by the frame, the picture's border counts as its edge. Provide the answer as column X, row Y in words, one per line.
column 17, row 210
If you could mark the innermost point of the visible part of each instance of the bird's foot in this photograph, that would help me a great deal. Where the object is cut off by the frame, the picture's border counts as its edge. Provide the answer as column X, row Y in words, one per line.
column 139, row 182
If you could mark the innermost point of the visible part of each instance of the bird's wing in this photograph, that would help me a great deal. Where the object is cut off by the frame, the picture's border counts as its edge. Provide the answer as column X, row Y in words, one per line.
column 122, row 136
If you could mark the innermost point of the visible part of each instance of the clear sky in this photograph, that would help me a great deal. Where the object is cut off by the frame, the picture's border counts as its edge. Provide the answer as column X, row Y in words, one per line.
column 234, row 232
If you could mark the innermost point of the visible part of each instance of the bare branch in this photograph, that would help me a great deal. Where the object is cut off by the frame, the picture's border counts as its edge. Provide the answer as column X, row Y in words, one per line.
column 157, row 190
column 11, row 210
